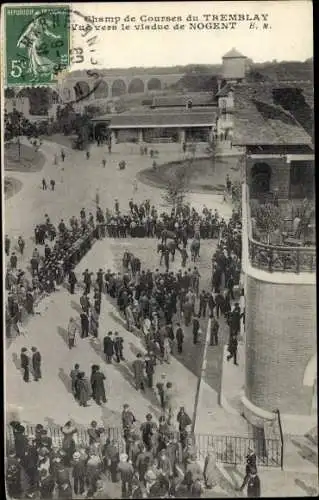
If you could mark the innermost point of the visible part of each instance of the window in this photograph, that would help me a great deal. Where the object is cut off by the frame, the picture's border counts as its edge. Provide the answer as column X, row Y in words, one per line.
column 301, row 179
column 223, row 104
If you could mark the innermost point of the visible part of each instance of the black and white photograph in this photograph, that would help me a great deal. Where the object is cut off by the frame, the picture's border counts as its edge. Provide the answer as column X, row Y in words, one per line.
column 159, row 250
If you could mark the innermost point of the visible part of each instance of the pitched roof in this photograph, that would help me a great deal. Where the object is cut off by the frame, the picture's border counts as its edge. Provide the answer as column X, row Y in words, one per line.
column 140, row 119
column 197, row 98
column 233, row 54
column 258, row 121
column 265, row 90
column 223, row 92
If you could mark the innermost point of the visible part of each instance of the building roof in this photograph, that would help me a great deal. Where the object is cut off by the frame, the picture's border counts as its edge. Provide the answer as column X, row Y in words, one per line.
column 150, row 119
column 224, row 91
column 265, row 90
column 259, row 121
column 233, row 54
column 197, row 98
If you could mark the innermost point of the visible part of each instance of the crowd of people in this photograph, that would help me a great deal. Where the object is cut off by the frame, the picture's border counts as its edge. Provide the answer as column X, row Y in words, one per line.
column 143, row 220
column 62, row 250
column 158, row 305
column 147, row 460
column 157, row 459
column 64, row 245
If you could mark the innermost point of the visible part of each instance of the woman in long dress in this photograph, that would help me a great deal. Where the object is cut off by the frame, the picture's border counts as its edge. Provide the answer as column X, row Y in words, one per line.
column 210, row 469
column 68, row 443
column 32, row 39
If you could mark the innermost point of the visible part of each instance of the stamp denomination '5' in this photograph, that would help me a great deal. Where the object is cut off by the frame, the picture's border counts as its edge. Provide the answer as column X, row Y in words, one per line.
column 37, row 43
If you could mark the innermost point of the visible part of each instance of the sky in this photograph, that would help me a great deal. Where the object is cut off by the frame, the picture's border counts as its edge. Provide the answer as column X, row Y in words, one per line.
column 288, row 36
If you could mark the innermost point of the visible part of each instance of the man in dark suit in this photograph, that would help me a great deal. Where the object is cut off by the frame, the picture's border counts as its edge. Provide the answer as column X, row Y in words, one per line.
column 214, row 328
column 72, row 281
column 118, row 347
column 24, row 358
column 108, row 345
column 196, row 327
column 253, row 485
column 36, row 364
column 232, row 348
column 235, row 318
column 84, row 324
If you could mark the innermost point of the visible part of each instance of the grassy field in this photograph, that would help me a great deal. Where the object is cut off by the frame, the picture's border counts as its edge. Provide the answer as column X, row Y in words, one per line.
column 29, row 161
column 206, row 176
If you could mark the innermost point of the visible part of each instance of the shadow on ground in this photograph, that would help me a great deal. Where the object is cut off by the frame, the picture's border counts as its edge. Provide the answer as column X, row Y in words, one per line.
column 63, row 334
column 309, row 490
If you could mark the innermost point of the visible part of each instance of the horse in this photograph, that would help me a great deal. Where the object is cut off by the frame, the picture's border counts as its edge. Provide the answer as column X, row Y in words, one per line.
column 170, row 246
column 165, row 234
column 195, row 247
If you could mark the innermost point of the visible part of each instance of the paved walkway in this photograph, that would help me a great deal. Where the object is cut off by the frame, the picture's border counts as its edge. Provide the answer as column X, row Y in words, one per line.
column 77, row 184
column 50, row 401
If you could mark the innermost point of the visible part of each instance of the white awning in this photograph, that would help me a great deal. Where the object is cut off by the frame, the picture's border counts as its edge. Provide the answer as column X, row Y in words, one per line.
column 300, row 158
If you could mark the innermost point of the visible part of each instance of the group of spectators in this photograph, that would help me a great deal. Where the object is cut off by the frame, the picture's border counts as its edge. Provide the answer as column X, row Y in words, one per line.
column 143, row 220
column 65, row 245
column 62, row 250
column 143, row 460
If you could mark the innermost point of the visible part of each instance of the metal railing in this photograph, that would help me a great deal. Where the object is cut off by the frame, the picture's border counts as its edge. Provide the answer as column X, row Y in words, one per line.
column 231, row 450
column 277, row 258
column 81, row 437
column 280, row 258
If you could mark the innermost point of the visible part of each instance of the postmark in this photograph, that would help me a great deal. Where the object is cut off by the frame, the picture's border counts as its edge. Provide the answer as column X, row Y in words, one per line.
column 37, row 43
column 39, row 49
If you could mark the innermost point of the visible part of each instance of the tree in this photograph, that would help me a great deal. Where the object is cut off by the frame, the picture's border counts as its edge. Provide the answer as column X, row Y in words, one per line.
column 82, row 127
column 66, row 118
column 16, row 125
column 177, row 188
column 9, row 93
column 268, row 218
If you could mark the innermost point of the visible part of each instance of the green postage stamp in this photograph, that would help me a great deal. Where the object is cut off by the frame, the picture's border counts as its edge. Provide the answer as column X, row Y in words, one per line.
column 37, row 43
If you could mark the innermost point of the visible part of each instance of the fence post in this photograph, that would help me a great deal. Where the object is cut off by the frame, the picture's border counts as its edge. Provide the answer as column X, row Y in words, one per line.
column 281, row 439
column 298, row 260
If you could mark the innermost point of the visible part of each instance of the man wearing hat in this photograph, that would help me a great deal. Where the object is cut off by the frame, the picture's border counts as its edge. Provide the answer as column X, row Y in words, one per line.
column 128, row 420
column 46, row 484
column 118, row 347
column 235, row 318
column 253, row 484
column 149, row 369
column 138, row 370
column 78, row 472
column 148, row 428
column 24, row 358
column 29, row 462
column 45, row 440
column 36, row 364
column 126, row 471
column 232, row 349
column 251, row 464
column 93, row 470
column 72, row 281
column 13, row 476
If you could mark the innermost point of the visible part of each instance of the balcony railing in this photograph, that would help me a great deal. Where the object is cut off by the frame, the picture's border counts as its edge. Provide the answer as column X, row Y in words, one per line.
column 229, row 449
column 277, row 258
column 280, row 258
